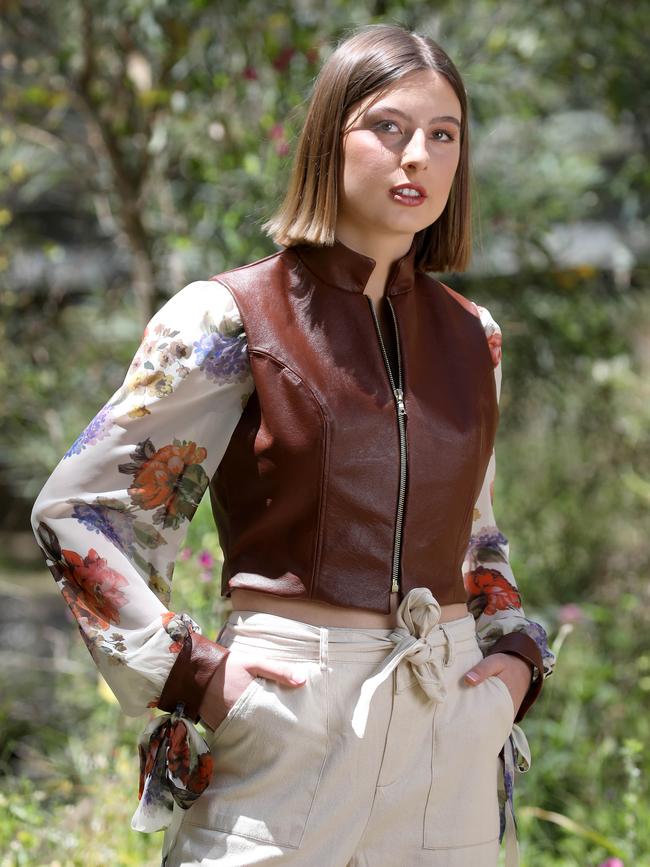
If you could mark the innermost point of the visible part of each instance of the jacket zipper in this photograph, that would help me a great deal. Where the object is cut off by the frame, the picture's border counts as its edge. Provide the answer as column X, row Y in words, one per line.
column 398, row 394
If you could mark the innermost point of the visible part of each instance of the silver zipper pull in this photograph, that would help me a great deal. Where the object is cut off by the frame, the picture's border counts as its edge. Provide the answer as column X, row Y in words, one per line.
column 401, row 408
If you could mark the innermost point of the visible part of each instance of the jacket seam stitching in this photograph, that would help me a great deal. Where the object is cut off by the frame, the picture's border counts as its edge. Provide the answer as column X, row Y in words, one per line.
column 317, row 548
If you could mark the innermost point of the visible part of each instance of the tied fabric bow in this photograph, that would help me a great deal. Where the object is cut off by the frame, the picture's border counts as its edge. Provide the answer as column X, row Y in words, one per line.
column 514, row 756
column 175, row 768
column 418, row 614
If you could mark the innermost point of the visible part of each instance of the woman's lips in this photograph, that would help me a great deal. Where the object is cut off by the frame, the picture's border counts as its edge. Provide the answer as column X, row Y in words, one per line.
column 410, row 201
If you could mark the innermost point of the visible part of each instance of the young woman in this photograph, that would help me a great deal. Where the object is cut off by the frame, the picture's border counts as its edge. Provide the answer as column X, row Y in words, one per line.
column 341, row 405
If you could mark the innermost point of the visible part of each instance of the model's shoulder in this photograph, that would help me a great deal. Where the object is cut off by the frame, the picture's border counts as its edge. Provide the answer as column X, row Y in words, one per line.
column 488, row 321
column 492, row 332
column 199, row 307
column 490, row 325
column 250, row 269
column 468, row 305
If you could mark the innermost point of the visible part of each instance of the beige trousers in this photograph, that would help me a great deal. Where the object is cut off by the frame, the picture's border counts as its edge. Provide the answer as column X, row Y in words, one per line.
column 384, row 758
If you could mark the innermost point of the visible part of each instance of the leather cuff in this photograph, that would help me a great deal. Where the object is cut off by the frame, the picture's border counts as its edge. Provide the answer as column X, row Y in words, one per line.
column 188, row 679
column 524, row 646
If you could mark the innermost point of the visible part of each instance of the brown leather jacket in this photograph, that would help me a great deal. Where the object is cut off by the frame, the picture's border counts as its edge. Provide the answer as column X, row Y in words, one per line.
column 353, row 470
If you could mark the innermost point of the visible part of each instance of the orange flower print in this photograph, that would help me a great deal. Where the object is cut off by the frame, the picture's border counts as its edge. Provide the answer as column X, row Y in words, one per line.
column 494, row 343
column 91, row 588
column 179, row 761
column 170, row 479
column 171, row 762
column 148, row 756
column 178, row 752
column 200, row 779
column 498, row 592
column 177, row 645
column 89, row 585
column 157, row 479
column 87, row 619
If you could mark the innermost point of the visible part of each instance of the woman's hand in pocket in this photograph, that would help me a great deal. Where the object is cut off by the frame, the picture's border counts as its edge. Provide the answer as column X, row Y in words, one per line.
column 514, row 671
column 231, row 679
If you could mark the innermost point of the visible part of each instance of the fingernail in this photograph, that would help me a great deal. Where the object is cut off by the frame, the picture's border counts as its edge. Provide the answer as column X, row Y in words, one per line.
column 298, row 678
column 473, row 677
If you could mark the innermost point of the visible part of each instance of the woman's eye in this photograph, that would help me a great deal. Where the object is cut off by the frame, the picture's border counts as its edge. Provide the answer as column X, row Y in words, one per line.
column 435, row 134
column 382, row 122
column 450, row 137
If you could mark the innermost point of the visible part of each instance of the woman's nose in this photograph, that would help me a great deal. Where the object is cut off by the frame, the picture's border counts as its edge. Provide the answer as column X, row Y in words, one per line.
column 415, row 150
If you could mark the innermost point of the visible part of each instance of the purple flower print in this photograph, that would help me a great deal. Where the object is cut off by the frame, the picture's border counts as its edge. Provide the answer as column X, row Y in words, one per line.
column 489, row 537
column 95, row 431
column 538, row 634
column 114, row 524
column 223, row 359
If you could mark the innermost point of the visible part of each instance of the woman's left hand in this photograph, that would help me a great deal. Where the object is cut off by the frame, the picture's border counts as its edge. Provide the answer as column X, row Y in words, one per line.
column 514, row 671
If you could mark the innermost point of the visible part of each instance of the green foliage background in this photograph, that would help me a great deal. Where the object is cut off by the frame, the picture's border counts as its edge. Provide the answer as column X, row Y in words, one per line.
column 142, row 144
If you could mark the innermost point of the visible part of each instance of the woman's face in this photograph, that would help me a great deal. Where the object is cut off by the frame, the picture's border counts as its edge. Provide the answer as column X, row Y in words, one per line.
column 418, row 141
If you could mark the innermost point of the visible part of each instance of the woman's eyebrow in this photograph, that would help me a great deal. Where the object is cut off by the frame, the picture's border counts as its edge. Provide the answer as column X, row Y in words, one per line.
column 443, row 117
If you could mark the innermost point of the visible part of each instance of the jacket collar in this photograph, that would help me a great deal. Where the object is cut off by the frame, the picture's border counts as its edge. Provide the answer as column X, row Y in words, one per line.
column 341, row 266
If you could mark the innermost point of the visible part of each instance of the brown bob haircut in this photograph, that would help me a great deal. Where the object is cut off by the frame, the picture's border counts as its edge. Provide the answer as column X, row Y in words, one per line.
column 371, row 60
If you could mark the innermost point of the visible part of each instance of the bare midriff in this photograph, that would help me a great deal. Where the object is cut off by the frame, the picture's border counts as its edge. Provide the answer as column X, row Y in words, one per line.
column 323, row 614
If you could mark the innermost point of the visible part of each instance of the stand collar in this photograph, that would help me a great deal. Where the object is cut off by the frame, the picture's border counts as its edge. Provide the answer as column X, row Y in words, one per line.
column 345, row 268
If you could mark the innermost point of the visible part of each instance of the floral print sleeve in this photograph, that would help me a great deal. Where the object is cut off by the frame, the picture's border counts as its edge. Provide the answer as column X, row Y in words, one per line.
column 112, row 515
column 493, row 596
column 501, row 624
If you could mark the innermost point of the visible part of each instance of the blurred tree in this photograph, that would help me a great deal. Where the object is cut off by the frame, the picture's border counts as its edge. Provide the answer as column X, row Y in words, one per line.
column 152, row 116
column 164, row 131
column 143, row 143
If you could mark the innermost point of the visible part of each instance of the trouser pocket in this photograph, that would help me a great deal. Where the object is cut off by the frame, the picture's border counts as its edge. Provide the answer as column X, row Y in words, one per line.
column 469, row 729
column 269, row 753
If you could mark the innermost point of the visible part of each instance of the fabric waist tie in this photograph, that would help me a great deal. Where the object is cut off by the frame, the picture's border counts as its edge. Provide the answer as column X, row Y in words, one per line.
column 417, row 616
column 415, row 638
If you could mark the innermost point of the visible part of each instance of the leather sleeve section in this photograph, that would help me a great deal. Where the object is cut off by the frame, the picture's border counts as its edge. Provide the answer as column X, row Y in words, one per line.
column 196, row 664
column 524, row 646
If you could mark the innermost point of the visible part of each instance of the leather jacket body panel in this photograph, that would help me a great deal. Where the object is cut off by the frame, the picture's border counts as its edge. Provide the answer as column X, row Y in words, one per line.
column 305, row 497
column 452, row 416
